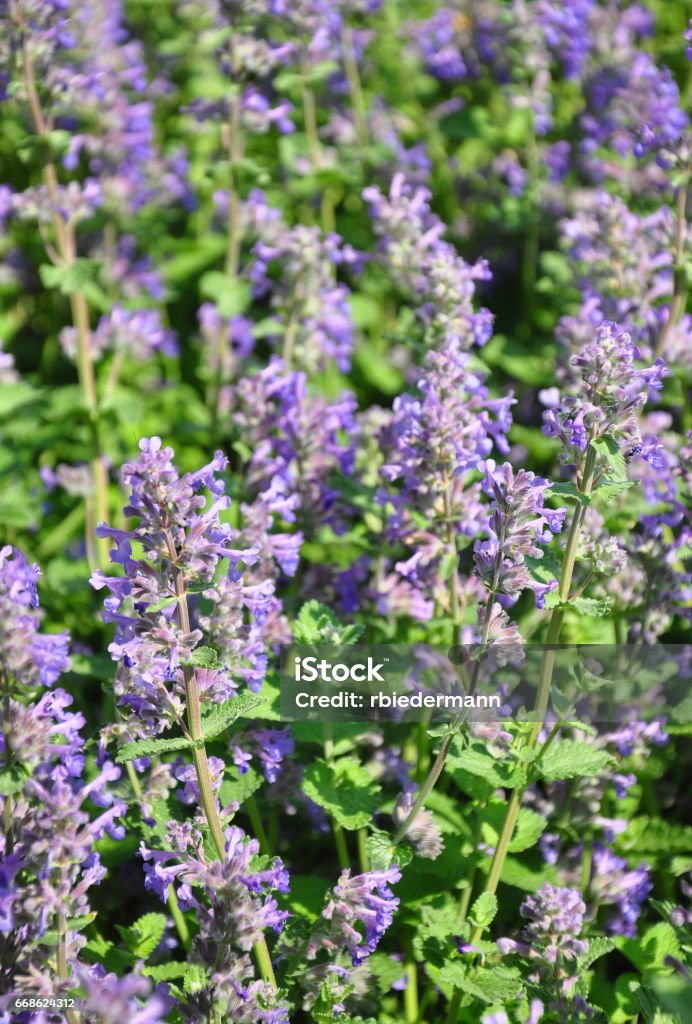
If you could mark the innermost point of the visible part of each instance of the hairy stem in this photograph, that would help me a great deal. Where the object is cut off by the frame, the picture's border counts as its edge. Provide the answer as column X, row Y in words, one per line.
column 6, row 761
column 545, row 680
column 339, row 837
column 355, row 87
column 199, row 753
column 67, row 252
column 679, row 300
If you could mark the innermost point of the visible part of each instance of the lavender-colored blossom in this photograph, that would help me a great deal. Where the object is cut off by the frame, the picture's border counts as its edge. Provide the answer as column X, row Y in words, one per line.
column 518, row 524
column 28, row 656
column 232, row 902
column 294, row 269
column 610, row 392
column 271, row 747
column 424, row 834
column 296, row 441
column 135, row 333
column 427, row 268
column 614, row 883
column 362, row 900
column 183, row 545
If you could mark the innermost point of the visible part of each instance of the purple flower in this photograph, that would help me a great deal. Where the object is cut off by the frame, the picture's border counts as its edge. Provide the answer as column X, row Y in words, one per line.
column 518, row 524
column 615, row 884
column 608, row 396
column 364, row 900
column 183, row 542
column 30, row 657
column 425, row 267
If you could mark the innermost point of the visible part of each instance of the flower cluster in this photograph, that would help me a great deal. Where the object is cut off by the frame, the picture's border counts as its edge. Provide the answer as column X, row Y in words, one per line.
column 610, row 392
column 551, row 941
column 366, row 900
column 427, row 268
column 233, row 905
column 311, row 316
column 181, row 547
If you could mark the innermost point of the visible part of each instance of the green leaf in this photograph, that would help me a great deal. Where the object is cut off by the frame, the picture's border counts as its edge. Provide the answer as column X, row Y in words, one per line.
column 221, row 716
column 240, row 788
column 593, row 607
column 491, row 985
column 567, row 489
column 569, row 759
column 176, row 969
column 529, row 826
column 230, row 295
column 609, row 450
column 12, row 780
column 650, row 951
column 307, row 896
column 158, row 606
column 598, row 947
column 69, row 278
column 147, row 748
column 14, row 396
column 204, row 657
column 380, row 850
column 317, row 624
column 345, row 790
column 610, row 489
column 645, row 835
column 518, row 874
column 484, row 909
column 142, row 937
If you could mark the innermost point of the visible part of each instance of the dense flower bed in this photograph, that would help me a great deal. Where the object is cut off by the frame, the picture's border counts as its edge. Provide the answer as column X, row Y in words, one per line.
column 409, row 283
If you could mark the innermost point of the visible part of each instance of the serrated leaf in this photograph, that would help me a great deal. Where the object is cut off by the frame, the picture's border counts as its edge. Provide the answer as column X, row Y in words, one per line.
column 570, row 759
column 610, row 489
column 593, row 607
column 528, row 829
column 240, row 788
column 567, row 489
column 317, row 624
column 221, row 716
column 646, row 835
column 609, row 450
column 142, row 937
column 148, row 748
column 345, row 790
column 491, row 985
column 204, row 657
column 598, row 947
column 380, row 850
column 484, row 909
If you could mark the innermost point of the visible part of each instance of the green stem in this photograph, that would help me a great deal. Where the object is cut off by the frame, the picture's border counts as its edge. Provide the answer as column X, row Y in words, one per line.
column 363, row 859
column 339, row 837
column 199, row 753
column 586, row 858
column 454, row 1004
column 67, row 250
column 679, row 300
column 426, row 789
column 257, row 826
column 172, row 900
column 545, row 679
column 411, row 993
column 61, row 958
column 355, row 87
